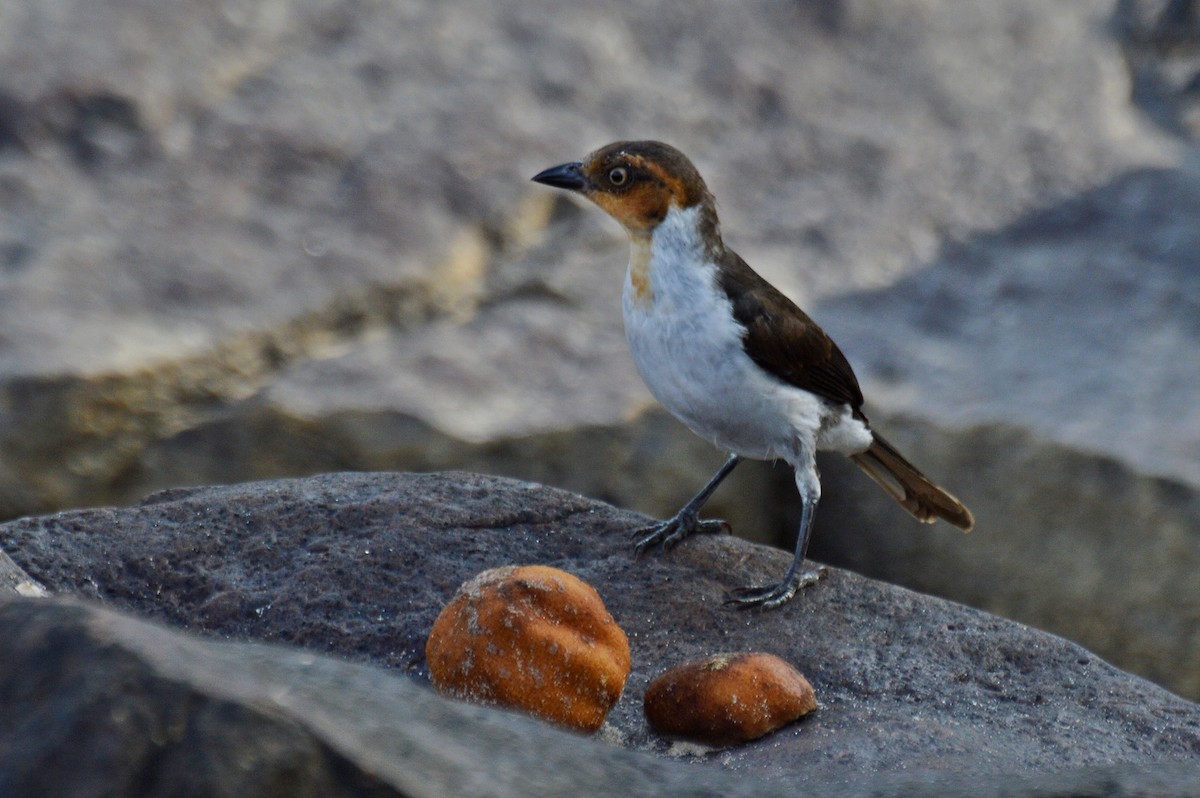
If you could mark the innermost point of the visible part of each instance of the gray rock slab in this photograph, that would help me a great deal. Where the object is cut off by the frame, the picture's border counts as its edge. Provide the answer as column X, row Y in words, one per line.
column 15, row 582
column 359, row 565
column 120, row 706
column 180, row 716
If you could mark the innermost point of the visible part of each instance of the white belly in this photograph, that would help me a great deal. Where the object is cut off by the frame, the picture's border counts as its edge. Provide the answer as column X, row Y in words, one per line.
column 688, row 348
column 694, row 366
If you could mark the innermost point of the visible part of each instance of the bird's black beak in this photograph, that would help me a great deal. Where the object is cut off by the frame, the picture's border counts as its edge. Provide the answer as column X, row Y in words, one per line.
column 567, row 175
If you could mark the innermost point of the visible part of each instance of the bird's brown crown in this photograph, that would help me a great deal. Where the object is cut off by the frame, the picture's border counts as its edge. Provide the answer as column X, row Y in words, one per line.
column 637, row 182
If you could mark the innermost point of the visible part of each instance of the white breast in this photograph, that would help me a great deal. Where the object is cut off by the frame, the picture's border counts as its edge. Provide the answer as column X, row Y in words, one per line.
column 688, row 349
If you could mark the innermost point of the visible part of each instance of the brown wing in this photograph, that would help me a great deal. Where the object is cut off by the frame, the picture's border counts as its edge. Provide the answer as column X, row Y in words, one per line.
column 783, row 340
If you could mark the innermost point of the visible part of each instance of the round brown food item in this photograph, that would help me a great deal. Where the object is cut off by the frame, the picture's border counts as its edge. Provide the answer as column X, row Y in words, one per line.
column 728, row 698
column 531, row 638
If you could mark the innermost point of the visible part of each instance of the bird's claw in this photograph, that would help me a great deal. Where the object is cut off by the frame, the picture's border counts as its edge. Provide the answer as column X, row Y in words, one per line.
column 770, row 596
column 666, row 534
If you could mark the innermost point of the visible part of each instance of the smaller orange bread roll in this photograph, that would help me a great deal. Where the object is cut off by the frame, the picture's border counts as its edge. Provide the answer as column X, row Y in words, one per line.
column 728, row 698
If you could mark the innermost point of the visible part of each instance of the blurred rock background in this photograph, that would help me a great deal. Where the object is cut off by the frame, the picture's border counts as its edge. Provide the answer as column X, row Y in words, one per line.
column 251, row 239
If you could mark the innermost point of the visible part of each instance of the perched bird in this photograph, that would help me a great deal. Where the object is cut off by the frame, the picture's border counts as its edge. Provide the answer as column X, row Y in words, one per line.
column 729, row 355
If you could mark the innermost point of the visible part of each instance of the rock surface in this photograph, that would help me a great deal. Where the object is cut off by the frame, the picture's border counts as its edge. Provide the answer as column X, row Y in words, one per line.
column 184, row 717
column 912, row 688
column 239, row 243
column 15, row 582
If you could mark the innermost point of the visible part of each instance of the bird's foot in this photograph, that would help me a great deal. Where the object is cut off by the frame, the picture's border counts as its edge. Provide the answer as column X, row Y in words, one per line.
column 771, row 596
column 668, row 533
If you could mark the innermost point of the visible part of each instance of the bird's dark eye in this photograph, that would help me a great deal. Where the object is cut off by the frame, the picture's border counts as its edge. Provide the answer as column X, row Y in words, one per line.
column 618, row 176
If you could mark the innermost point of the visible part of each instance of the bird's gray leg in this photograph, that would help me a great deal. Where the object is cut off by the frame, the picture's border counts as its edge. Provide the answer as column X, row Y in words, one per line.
column 796, row 578
column 687, row 520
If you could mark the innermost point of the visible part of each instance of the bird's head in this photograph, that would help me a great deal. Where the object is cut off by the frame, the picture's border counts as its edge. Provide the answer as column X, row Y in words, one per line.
column 636, row 182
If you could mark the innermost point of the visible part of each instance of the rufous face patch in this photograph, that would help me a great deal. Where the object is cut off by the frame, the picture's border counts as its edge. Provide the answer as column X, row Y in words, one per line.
column 639, row 208
column 637, row 189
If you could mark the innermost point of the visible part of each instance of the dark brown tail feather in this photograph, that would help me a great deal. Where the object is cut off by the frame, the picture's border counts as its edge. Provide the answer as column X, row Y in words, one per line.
column 904, row 483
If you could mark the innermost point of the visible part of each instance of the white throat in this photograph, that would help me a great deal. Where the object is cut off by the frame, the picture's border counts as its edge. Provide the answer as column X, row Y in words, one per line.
column 673, row 258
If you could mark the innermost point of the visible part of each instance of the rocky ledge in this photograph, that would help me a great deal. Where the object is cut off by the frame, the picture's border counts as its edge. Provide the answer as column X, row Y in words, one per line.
column 349, row 570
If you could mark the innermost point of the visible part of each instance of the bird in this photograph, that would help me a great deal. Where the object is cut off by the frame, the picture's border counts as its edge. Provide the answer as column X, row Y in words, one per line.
column 732, row 357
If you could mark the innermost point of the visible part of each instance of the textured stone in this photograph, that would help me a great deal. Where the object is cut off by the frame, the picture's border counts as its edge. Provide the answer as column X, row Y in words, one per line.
column 15, row 582
column 912, row 688
column 97, row 703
